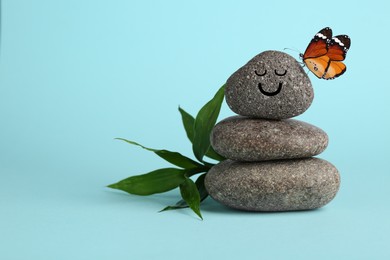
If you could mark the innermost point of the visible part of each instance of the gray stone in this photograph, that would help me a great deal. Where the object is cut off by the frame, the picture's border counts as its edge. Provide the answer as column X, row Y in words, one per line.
column 249, row 139
column 284, row 185
column 250, row 93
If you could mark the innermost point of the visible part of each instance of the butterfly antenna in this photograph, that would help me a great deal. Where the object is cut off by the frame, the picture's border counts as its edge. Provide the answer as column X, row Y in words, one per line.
column 296, row 50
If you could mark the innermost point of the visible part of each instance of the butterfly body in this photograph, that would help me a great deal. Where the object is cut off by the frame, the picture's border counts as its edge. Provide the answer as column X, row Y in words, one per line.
column 324, row 54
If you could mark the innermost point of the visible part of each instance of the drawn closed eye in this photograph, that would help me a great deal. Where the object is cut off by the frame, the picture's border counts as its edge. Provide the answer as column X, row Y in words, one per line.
column 260, row 74
column 281, row 74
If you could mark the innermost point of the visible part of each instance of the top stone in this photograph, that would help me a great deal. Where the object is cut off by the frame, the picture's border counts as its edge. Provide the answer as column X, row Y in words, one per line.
column 272, row 85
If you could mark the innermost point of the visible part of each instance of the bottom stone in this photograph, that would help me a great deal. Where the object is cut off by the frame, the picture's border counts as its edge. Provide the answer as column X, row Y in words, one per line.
column 283, row 185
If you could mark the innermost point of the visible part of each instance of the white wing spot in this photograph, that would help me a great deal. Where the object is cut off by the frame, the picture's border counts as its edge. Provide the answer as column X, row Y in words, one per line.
column 338, row 41
column 320, row 35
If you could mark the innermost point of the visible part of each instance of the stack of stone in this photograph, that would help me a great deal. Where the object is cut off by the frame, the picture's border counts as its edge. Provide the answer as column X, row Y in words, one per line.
column 270, row 164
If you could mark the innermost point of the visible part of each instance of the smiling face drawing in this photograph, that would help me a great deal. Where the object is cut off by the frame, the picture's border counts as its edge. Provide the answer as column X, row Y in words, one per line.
column 279, row 86
column 272, row 85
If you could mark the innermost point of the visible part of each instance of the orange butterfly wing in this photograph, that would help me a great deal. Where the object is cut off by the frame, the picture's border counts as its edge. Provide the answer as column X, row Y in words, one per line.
column 315, row 55
column 337, row 51
column 318, row 46
column 315, row 49
column 318, row 65
column 338, row 47
column 334, row 70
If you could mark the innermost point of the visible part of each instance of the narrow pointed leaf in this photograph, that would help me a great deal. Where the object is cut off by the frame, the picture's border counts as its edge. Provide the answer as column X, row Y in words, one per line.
column 202, row 193
column 204, row 123
column 211, row 153
column 157, row 181
column 181, row 204
column 188, row 123
column 190, row 194
column 172, row 157
column 201, row 188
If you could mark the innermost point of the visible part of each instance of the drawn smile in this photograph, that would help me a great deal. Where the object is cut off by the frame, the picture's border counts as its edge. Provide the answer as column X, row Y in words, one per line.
column 270, row 94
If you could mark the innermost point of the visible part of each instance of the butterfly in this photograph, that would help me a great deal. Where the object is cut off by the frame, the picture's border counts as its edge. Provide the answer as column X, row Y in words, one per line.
column 324, row 54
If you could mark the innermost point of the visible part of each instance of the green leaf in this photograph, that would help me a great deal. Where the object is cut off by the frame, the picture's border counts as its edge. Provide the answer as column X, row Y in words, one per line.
column 190, row 194
column 181, row 204
column 211, row 153
column 202, row 193
column 204, row 123
column 201, row 188
column 188, row 123
column 157, row 181
column 172, row 157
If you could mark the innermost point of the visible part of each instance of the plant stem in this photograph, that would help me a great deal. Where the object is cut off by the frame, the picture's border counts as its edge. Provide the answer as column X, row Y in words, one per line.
column 194, row 171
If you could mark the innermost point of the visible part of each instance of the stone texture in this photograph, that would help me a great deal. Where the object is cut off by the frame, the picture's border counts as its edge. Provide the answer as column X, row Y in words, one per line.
column 248, row 139
column 284, row 185
column 245, row 89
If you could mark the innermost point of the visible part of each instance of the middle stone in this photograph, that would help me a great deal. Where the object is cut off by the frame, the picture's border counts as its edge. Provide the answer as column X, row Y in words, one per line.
column 252, row 139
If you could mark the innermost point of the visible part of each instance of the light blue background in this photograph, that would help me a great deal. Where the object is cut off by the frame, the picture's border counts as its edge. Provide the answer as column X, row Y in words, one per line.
column 76, row 74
